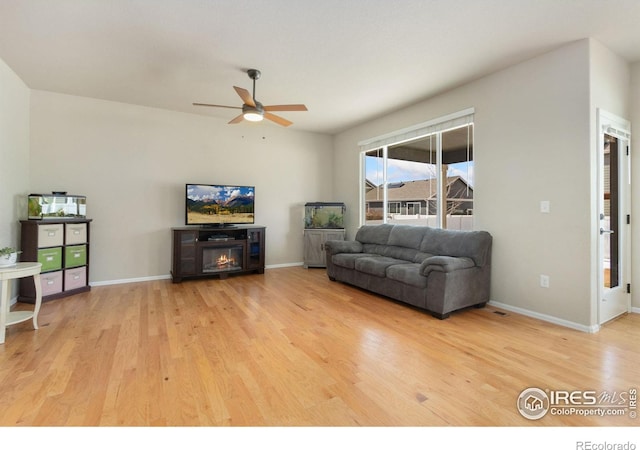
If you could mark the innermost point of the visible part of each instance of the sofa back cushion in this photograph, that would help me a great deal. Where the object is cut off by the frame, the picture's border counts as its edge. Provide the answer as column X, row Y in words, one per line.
column 409, row 236
column 421, row 256
column 377, row 249
column 374, row 234
column 397, row 252
column 473, row 244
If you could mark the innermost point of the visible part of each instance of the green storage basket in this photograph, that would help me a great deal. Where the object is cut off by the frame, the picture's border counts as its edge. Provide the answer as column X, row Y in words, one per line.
column 75, row 255
column 50, row 258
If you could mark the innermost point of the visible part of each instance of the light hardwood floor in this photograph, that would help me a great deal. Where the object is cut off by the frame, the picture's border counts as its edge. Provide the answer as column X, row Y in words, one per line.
column 291, row 348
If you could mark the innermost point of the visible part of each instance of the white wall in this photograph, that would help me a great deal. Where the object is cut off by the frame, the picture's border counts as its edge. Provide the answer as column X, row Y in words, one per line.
column 132, row 163
column 635, row 185
column 610, row 82
column 532, row 143
column 14, row 157
column 14, row 154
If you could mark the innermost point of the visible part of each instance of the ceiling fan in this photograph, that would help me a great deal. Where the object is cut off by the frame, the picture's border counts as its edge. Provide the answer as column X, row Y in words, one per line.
column 253, row 110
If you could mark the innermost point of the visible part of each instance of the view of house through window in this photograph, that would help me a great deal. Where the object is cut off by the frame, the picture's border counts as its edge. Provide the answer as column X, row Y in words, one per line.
column 424, row 181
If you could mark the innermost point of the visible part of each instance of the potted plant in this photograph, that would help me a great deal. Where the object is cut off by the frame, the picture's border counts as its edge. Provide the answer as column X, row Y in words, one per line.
column 8, row 256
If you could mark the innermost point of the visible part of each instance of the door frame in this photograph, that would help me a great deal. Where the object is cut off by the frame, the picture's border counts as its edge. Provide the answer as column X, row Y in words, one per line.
column 620, row 128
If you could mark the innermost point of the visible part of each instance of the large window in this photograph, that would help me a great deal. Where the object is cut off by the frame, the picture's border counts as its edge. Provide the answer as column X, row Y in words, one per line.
column 421, row 175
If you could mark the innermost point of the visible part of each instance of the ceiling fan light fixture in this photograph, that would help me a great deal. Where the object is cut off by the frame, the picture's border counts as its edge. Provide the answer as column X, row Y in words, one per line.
column 253, row 116
column 253, row 113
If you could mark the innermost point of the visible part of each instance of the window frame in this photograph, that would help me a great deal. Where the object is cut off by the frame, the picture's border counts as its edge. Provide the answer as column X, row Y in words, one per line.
column 436, row 127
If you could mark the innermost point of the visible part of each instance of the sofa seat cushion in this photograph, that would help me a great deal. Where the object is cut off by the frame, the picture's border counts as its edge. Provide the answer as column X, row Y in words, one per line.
column 407, row 274
column 348, row 260
column 376, row 265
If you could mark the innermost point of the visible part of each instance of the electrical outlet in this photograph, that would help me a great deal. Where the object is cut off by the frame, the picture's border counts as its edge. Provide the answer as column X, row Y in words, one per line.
column 544, row 281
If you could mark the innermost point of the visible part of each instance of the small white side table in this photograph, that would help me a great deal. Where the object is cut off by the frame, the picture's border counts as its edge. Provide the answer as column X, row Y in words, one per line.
column 18, row 270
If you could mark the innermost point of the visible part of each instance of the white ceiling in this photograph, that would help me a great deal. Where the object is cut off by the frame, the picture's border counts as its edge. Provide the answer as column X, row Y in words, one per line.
column 347, row 60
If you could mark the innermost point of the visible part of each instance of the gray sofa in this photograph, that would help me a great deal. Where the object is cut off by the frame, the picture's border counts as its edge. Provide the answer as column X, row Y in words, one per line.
column 433, row 269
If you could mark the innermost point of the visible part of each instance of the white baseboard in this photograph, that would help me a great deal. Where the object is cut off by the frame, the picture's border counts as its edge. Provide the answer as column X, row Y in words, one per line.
column 279, row 266
column 129, row 280
column 547, row 318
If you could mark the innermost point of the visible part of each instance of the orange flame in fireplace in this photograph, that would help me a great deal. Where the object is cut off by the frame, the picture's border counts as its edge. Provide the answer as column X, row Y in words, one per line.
column 224, row 261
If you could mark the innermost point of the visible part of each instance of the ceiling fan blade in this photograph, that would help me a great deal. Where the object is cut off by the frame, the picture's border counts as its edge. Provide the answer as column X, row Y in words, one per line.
column 245, row 96
column 277, row 119
column 237, row 119
column 217, row 106
column 285, row 108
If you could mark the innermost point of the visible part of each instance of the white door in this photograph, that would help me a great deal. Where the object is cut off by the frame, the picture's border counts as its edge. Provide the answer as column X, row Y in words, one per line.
column 614, row 208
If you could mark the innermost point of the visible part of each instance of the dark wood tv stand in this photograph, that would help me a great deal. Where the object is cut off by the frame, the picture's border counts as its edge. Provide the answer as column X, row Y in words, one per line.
column 216, row 251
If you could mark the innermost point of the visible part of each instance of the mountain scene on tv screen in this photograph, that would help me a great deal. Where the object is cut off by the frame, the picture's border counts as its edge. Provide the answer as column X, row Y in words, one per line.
column 220, row 204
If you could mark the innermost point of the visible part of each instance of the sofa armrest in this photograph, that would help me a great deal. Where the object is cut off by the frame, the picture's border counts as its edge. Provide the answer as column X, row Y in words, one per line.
column 445, row 264
column 335, row 247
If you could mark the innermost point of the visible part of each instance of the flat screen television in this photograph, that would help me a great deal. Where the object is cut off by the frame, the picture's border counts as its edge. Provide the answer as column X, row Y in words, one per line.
column 219, row 204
